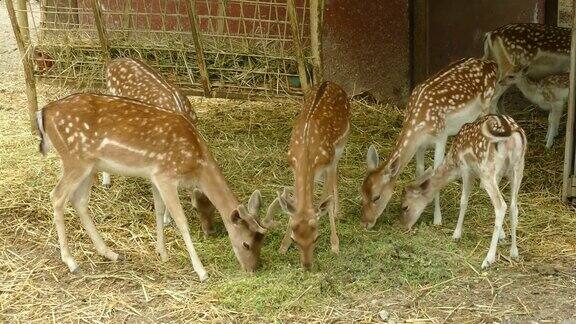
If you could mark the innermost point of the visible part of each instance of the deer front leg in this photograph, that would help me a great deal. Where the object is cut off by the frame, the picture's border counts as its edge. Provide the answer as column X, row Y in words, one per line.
column 169, row 193
column 466, row 186
column 491, row 186
column 287, row 239
column 106, row 181
column 420, row 155
column 159, row 211
column 331, row 187
column 554, row 117
column 79, row 200
column 166, row 219
column 495, row 107
column 438, row 158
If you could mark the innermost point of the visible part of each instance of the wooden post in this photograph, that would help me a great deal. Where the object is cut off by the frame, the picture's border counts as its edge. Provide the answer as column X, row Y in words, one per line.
column 569, row 145
column 102, row 35
column 298, row 45
column 127, row 18
column 22, row 18
column 26, row 55
column 316, row 24
column 195, row 29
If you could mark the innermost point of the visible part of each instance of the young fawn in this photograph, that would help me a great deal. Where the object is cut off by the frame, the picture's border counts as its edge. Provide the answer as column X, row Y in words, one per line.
column 549, row 93
column 544, row 49
column 132, row 78
column 436, row 109
column 317, row 143
column 97, row 132
column 490, row 148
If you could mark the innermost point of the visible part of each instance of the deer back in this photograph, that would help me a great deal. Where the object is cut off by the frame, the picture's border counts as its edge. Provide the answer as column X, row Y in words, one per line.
column 93, row 128
column 132, row 78
column 321, row 126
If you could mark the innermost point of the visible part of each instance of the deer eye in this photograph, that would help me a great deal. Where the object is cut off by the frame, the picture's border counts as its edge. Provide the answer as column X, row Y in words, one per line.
column 375, row 199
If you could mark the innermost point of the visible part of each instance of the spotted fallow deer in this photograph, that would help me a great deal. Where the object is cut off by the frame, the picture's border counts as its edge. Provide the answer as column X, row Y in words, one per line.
column 317, row 143
column 549, row 93
column 543, row 49
column 436, row 109
column 490, row 148
column 132, row 78
column 119, row 135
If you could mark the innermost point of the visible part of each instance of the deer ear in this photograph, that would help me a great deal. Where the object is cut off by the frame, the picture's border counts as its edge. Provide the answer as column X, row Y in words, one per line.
column 372, row 159
column 394, row 167
column 235, row 217
column 286, row 205
column 323, row 207
column 254, row 202
column 424, row 185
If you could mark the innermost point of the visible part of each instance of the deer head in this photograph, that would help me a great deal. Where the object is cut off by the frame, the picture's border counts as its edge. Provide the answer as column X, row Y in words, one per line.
column 377, row 188
column 304, row 226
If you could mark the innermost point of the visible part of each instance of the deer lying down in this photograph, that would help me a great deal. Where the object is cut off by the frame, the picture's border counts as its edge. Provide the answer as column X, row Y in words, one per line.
column 492, row 147
column 96, row 132
column 549, row 93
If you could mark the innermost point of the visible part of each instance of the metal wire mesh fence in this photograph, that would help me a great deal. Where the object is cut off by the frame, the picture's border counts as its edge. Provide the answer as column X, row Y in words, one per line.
column 230, row 48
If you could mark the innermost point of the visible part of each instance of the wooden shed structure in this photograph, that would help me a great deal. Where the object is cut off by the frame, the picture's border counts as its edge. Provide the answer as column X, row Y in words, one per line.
column 255, row 48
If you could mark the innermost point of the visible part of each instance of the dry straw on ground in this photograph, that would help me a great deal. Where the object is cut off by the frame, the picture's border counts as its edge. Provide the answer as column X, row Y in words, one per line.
column 420, row 276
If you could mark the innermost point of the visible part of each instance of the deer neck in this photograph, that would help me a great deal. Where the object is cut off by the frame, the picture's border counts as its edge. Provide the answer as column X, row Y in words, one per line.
column 528, row 87
column 304, row 185
column 405, row 149
column 445, row 174
column 216, row 188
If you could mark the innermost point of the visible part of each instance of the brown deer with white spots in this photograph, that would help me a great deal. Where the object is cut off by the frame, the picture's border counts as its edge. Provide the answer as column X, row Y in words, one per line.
column 543, row 49
column 490, row 148
column 317, row 143
column 436, row 109
column 134, row 79
column 549, row 93
column 119, row 135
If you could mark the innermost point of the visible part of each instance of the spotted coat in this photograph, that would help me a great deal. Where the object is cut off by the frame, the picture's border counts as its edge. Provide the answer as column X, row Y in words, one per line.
column 132, row 78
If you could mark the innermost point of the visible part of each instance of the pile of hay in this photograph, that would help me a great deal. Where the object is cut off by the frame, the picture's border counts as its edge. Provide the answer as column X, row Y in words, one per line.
column 410, row 276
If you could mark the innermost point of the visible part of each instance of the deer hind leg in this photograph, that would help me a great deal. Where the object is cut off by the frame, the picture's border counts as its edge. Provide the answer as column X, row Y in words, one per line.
column 438, row 158
column 79, row 200
column 491, row 187
column 553, row 124
column 166, row 219
column 106, row 181
column 169, row 193
column 71, row 178
column 159, row 211
column 517, row 174
column 466, row 188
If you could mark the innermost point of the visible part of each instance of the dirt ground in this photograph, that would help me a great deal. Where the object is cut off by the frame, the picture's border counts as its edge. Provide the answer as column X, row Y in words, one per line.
column 380, row 275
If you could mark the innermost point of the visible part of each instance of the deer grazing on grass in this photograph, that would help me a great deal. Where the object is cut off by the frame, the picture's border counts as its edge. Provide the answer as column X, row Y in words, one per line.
column 492, row 147
column 134, row 79
column 543, row 49
column 317, row 143
column 436, row 109
column 549, row 93
column 119, row 135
